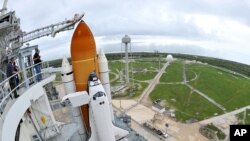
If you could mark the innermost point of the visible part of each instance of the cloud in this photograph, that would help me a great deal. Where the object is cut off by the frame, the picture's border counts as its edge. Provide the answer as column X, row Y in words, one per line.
column 234, row 10
column 108, row 17
column 194, row 26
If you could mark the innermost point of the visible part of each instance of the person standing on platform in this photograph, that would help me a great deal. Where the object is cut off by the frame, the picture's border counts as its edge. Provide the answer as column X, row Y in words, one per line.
column 10, row 72
column 37, row 62
column 17, row 75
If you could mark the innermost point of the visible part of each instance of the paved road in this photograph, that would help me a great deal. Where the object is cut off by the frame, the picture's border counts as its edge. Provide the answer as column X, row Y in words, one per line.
column 153, row 83
column 184, row 73
column 206, row 97
column 207, row 121
column 150, row 87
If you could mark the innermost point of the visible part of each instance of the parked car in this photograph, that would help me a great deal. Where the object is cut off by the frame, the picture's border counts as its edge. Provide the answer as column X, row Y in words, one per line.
column 159, row 132
column 157, row 101
column 165, row 135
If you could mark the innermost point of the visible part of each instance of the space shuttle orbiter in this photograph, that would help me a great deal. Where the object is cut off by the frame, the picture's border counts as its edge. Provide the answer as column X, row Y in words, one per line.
column 102, row 128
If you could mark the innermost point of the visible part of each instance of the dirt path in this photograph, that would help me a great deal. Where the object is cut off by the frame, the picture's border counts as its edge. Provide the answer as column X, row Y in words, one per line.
column 116, row 76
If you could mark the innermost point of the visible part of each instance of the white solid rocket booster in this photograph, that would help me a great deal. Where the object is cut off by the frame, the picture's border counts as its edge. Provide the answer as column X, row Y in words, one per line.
column 104, row 77
column 69, row 86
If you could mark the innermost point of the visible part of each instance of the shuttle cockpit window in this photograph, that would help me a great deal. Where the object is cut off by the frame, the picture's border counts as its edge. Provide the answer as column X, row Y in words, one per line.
column 98, row 94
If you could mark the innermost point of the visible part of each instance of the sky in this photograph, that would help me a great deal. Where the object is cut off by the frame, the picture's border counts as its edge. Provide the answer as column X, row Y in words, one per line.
column 215, row 28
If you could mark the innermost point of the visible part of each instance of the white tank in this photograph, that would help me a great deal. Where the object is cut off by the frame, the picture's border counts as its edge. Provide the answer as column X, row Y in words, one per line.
column 69, row 86
column 169, row 58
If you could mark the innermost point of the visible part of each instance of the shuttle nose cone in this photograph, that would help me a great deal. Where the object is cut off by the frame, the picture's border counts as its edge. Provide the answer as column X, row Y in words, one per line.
column 102, row 56
column 66, row 68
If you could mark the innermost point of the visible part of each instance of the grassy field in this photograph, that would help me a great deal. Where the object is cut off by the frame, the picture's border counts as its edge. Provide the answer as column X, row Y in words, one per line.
column 231, row 91
column 246, row 118
column 140, row 89
column 137, row 91
column 115, row 65
column 148, row 69
column 147, row 65
column 111, row 76
column 187, row 104
column 216, row 130
column 155, row 59
column 141, row 76
column 190, row 75
column 148, row 73
column 173, row 72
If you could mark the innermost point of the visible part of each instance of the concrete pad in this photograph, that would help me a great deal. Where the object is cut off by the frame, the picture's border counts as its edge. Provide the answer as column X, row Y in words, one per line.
column 176, row 130
column 123, row 104
column 60, row 90
column 141, row 113
column 63, row 115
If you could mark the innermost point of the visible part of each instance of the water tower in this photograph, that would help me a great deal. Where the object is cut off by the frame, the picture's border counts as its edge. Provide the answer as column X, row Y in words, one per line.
column 126, row 40
column 169, row 58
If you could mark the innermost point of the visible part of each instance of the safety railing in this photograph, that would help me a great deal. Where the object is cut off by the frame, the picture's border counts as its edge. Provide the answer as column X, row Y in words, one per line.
column 61, row 113
column 27, row 77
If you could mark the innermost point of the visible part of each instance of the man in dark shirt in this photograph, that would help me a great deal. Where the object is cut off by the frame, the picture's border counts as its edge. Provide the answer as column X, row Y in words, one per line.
column 37, row 62
column 10, row 72
column 16, row 76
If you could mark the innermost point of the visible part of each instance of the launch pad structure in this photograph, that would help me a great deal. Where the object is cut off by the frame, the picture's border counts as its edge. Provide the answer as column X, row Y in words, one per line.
column 12, row 37
column 33, row 105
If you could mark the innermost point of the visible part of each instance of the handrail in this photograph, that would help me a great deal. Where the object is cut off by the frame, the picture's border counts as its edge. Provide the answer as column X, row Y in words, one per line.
column 19, row 86
column 7, row 79
column 6, row 95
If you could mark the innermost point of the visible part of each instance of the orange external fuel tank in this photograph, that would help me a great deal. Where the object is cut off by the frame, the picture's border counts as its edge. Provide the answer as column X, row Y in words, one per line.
column 84, row 61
